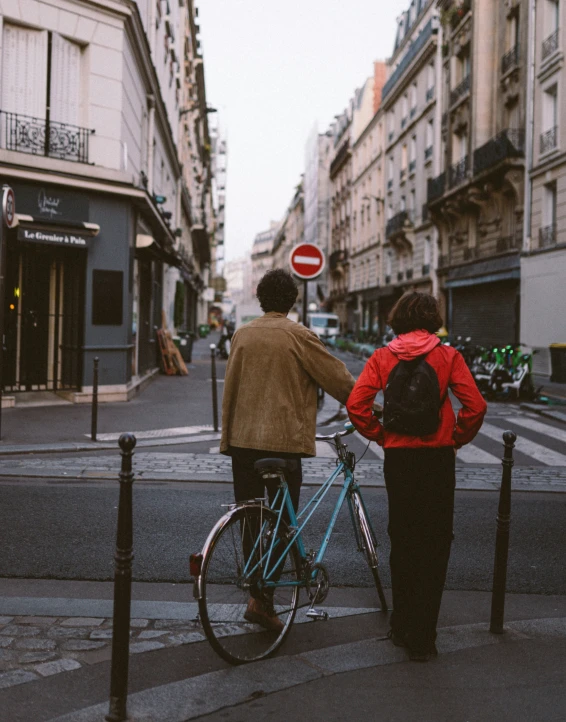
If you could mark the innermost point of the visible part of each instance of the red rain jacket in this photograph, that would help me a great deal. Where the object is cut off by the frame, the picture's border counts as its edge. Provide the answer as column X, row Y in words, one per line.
column 452, row 374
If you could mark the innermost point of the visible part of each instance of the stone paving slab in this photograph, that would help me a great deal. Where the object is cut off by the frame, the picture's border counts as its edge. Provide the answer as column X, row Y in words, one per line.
column 210, row 468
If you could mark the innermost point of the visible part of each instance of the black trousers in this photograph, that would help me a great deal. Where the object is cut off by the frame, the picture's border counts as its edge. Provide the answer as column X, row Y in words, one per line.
column 420, row 488
column 248, row 484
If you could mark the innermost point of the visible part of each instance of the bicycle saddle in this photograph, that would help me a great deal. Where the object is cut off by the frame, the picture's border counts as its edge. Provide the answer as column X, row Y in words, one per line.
column 275, row 464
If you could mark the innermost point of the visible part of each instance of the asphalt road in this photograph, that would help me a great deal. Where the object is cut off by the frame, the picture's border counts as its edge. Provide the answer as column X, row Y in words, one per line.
column 67, row 531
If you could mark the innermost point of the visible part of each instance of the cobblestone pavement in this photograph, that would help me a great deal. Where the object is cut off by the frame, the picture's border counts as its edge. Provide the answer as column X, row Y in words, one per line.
column 35, row 647
column 161, row 466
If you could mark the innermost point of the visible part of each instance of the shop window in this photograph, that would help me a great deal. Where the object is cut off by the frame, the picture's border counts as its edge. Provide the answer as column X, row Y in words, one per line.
column 107, row 298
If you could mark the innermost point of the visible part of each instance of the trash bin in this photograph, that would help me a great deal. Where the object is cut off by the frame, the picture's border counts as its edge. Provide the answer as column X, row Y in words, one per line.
column 203, row 330
column 185, row 345
column 558, row 362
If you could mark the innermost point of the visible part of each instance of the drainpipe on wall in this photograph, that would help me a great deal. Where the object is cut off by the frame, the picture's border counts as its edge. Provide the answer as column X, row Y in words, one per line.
column 529, row 127
column 436, row 162
column 150, row 134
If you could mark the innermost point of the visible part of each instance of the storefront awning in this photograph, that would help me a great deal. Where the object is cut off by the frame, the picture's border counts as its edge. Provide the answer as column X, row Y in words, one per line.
column 74, row 234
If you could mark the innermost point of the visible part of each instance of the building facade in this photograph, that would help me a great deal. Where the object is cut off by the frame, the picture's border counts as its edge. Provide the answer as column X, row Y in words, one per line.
column 411, row 150
column 262, row 260
column 543, row 263
column 477, row 200
column 92, row 99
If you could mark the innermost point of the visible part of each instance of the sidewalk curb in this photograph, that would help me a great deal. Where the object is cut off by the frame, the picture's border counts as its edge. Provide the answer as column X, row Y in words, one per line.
column 545, row 411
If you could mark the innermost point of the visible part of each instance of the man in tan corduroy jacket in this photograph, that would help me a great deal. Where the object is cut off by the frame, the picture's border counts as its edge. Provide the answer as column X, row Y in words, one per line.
column 269, row 406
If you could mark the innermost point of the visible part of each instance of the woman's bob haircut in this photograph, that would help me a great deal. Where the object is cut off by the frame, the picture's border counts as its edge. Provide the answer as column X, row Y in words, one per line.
column 415, row 311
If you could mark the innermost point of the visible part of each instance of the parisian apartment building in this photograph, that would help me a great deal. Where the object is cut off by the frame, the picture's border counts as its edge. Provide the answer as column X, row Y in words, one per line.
column 104, row 139
column 446, row 173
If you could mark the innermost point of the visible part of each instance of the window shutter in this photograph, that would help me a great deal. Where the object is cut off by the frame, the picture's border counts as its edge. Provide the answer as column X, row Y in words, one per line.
column 24, row 71
column 65, row 80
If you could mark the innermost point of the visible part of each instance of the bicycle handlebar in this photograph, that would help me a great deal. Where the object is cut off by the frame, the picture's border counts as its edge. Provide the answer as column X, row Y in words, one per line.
column 348, row 429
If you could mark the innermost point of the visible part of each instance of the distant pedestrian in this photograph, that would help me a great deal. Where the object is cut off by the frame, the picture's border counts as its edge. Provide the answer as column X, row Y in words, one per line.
column 420, row 435
column 270, row 399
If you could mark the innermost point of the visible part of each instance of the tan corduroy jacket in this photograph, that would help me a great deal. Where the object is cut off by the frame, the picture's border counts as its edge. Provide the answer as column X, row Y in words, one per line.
column 272, row 373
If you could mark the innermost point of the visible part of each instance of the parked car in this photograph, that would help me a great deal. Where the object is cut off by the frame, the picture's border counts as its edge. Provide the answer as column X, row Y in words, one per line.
column 325, row 325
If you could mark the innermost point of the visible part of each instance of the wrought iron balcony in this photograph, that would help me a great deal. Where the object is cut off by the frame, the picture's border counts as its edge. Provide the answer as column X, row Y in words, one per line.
column 510, row 60
column 548, row 140
column 547, row 236
column 508, row 143
column 509, row 243
column 550, row 45
column 39, row 136
column 338, row 258
column 428, row 152
column 429, row 94
column 397, row 224
column 460, row 91
column 459, row 172
column 436, row 187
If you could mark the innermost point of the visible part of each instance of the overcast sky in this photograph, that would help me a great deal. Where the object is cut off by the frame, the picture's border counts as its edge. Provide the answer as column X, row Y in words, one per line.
column 274, row 69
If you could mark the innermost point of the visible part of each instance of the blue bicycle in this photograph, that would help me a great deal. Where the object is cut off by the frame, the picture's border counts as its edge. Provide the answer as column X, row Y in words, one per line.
column 256, row 552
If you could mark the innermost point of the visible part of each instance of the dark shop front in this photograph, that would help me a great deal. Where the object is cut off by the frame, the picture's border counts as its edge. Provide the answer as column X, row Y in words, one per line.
column 67, row 290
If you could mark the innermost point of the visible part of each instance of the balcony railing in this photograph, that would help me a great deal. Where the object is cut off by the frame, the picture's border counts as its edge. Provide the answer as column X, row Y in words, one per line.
column 397, row 223
column 459, row 172
column 436, row 187
column 550, row 45
column 508, row 143
column 429, row 94
column 337, row 258
column 460, row 90
column 412, row 53
column 428, row 152
column 509, row 243
column 547, row 236
column 510, row 60
column 548, row 140
column 39, row 136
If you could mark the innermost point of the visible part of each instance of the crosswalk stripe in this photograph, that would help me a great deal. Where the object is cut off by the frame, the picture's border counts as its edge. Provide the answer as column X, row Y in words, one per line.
column 546, row 456
column 472, row 454
column 325, row 449
column 157, row 433
column 537, row 426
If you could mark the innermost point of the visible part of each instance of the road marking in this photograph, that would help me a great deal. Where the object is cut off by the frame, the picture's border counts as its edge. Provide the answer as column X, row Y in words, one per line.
column 307, row 260
column 157, row 433
column 541, row 453
column 325, row 450
column 472, row 454
column 540, row 428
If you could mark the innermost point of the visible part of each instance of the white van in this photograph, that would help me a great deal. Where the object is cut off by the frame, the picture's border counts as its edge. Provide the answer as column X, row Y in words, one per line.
column 325, row 325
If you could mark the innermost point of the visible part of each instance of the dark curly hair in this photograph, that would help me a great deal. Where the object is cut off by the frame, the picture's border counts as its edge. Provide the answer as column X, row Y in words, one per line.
column 413, row 311
column 277, row 291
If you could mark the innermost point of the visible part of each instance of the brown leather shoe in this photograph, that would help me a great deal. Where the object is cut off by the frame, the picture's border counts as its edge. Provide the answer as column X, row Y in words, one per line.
column 259, row 613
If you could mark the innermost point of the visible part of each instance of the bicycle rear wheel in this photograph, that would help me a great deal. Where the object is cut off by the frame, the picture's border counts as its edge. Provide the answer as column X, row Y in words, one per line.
column 233, row 574
column 368, row 543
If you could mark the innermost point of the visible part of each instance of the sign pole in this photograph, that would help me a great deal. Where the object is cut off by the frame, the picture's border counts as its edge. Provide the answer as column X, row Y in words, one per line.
column 305, row 289
column 8, row 219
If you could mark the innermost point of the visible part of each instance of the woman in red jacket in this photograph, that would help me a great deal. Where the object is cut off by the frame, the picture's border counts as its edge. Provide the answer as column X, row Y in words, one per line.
column 419, row 470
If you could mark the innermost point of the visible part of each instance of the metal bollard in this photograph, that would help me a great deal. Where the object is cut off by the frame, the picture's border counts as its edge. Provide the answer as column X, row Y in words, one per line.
column 502, row 537
column 122, row 587
column 214, row 385
column 94, row 414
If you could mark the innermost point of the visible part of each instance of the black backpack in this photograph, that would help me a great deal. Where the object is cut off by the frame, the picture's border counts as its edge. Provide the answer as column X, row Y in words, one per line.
column 412, row 399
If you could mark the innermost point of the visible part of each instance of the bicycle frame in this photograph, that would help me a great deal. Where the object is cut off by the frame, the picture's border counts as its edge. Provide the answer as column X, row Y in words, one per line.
column 300, row 520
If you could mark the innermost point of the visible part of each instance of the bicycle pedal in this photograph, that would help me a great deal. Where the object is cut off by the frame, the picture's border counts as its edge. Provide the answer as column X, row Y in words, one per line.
column 317, row 614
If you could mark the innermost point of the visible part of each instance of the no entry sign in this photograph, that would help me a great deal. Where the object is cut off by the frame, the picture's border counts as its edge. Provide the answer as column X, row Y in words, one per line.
column 306, row 261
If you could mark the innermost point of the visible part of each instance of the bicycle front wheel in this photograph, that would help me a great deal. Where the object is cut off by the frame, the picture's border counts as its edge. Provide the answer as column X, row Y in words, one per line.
column 233, row 583
column 368, row 543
